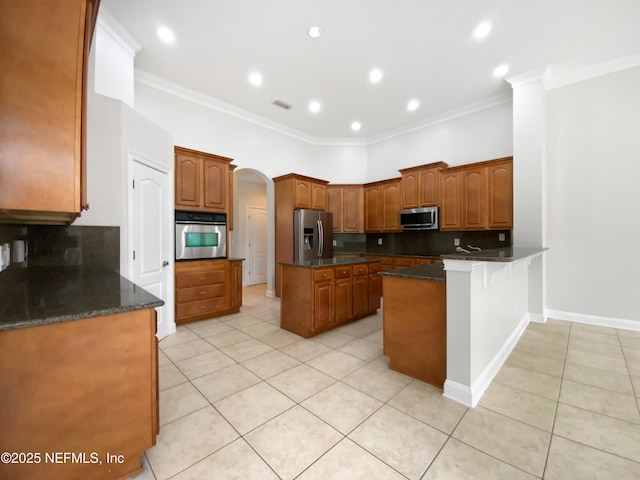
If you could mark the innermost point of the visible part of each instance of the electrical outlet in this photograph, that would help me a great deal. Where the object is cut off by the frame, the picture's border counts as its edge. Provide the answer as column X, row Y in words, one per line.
column 456, row 242
column 5, row 256
column 379, row 241
column 501, row 237
column 335, row 243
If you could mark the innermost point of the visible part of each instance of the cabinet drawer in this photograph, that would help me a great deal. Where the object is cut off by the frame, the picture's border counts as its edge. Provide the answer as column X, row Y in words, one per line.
column 360, row 269
column 203, row 292
column 195, row 279
column 421, row 261
column 401, row 262
column 190, row 309
column 375, row 267
column 343, row 272
column 323, row 274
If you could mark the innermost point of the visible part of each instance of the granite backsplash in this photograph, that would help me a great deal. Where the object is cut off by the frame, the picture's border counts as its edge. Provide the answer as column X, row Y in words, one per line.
column 417, row 243
column 87, row 246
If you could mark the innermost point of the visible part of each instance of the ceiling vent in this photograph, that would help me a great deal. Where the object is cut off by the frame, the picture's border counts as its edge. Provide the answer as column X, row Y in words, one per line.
column 281, row 104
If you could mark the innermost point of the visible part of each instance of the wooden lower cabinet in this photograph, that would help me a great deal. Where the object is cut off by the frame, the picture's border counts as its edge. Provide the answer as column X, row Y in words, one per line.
column 314, row 300
column 87, row 386
column 415, row 328
column 207, row 288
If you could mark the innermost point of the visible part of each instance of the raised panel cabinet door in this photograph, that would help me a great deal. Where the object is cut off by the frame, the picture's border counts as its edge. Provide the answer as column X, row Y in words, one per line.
column 375, row 291
column 430, row 187
column 410, row 190
column 344, row 310
column 216, row 175
column 391, row 207
column 236, row 284
column 188, row 171
column 301, row 194
column 318, row 196
column 352, row 209
column 501, row 196
column 360, row 295
column 323, row 304
column 372, row 204
column 334, row 204
column 450, row 201
column 474, row 199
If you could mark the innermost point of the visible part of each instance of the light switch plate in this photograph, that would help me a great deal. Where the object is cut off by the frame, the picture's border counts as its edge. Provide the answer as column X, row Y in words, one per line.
column 379, row 241
column 501, row 237
column 456, row 242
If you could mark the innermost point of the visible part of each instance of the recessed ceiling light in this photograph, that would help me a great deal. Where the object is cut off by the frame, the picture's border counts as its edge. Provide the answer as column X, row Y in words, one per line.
column 255, row 79
column 314, row 32
column 501, row 71
column 413, row 105
column 166, row 35
column 314, row 106
column 482, row 30
column 355, row 126
column 375, row 75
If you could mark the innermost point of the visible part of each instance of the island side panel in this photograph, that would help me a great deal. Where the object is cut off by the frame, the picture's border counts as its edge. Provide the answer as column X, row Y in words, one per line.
column 296, row 300
column 80, row 386
column 415, row 328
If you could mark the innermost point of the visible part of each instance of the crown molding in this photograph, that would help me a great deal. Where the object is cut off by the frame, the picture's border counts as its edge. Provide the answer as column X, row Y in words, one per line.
column 535, row 75
column 120, row 34
column 561, row 78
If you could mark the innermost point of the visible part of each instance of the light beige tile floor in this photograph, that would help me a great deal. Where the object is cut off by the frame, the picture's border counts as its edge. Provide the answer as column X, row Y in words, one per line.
column 242, row 399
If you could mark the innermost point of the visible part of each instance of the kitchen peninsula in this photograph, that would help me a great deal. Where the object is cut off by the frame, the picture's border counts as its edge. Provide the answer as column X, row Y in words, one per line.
column 319, row 295
column 78, row 371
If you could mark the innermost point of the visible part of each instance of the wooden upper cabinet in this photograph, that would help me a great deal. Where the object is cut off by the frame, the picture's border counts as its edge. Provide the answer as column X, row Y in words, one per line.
column 346, row 204
column 450, row 201
column 372, row 205
column 302, row 193
column 420, row 186
column 334, row 206
column 500, row 184
column 474, row 198
column 45, row 47
column 202, row 181
column 318, row 196
column 391, row 206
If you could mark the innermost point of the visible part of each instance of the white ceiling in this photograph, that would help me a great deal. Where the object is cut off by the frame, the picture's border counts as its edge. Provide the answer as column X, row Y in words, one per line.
column 424, row 47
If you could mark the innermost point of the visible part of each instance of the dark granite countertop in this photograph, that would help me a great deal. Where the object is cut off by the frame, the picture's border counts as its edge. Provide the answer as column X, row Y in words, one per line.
column 434, row 272
column 508, row 254
column 399, row 255
column 36, row 296
column 331, row 262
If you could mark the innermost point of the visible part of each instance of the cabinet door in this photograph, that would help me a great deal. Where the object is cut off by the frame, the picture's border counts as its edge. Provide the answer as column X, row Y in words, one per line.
column 372, row 204
column 323, row 304
column 344, row 310
column 301, row 194
column 391, row 207
column 188, row 170
column 450, row 202
column 318, row 196
column 236, row 284
column 216, row 175
column 334, row 203
column 352, row 209
column 501, row 196
column 360, row 295
column 474, row 198
column 375, row 291
column 410, row 190
column 429, row 187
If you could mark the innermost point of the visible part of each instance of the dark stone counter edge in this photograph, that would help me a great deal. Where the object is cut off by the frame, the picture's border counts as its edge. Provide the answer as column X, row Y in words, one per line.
column 331, row 262
column 510, row 254
column 433, row 273
column 78, row 316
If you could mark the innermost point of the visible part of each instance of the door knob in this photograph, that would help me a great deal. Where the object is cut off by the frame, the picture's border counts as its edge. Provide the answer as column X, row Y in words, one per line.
column 165, row 263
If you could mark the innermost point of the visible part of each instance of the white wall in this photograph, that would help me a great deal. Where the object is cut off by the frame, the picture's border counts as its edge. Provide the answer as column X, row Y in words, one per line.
column 482, row 135
column 593, row 198
column 114, row 72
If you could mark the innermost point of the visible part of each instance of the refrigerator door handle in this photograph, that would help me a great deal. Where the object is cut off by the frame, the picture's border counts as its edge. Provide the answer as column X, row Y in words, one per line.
column 320, row 238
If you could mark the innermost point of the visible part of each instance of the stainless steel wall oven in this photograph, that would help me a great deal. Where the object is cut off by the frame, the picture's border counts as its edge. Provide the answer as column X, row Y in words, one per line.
column 200, row 235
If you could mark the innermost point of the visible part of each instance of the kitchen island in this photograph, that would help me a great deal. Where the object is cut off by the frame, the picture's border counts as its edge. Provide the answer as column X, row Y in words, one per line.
column 415, row 321
column 319, row 295
column 491, row 297
column 78, row 373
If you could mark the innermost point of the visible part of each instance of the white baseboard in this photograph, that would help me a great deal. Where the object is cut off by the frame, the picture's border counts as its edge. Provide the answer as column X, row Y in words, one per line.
column 470, row 396
column 594, row 320
column 271, row 293
column 537, row 318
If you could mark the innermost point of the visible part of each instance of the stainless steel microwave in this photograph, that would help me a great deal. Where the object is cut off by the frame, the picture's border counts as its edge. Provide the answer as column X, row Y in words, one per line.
column 200, row 235
column 424, row 218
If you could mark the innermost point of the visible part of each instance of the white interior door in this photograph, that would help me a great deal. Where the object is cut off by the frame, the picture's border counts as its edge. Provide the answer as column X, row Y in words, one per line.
column 256, row 264
column 150, row 230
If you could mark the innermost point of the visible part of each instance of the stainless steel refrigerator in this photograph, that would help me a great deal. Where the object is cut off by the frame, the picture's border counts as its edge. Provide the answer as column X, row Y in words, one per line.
column 312, row 235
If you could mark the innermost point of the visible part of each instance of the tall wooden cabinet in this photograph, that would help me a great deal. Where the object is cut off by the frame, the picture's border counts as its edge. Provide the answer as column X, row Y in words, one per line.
column 44, row 49
column 346, row 204
column 293, row 191
column 382, row 206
